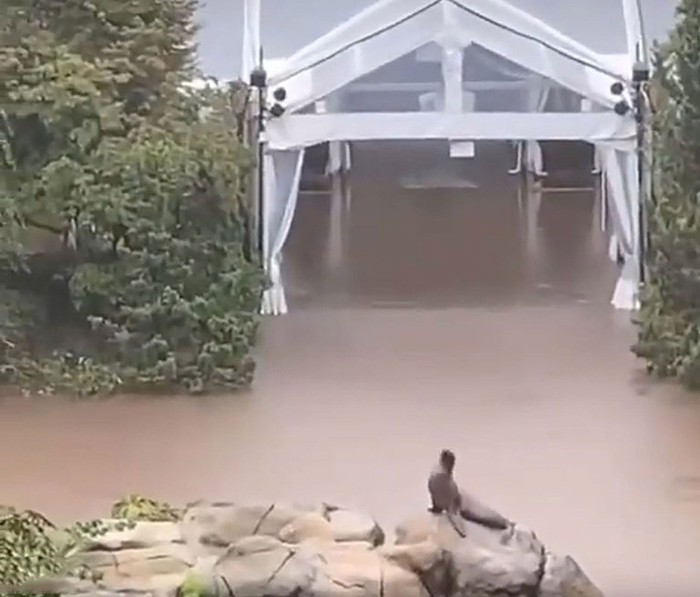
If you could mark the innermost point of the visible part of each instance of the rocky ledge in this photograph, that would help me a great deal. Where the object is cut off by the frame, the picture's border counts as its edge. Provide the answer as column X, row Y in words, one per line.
column 276, row 550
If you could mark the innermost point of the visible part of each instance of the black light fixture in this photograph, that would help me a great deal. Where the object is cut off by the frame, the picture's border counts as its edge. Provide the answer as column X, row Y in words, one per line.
column 617, row 88
column 258, row 78
column 280, row 94
column 276, row 110
column 640, row 73
column 622, row 108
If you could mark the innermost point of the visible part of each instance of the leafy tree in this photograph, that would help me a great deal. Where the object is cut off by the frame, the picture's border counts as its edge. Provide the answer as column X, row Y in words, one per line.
column 124, row 226
column 669, row 320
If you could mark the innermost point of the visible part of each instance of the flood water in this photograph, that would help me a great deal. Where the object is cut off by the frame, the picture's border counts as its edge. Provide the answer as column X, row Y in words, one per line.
column 430, row 318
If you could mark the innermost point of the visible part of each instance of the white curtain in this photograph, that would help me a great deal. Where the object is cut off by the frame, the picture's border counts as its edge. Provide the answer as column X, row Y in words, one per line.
column 620, row 168
column 282, row 174
column 339, row 158
column 335, row 242
column 529, row 153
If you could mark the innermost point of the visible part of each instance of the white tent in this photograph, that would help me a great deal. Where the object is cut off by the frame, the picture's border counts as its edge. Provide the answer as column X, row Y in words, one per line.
column 456, row 70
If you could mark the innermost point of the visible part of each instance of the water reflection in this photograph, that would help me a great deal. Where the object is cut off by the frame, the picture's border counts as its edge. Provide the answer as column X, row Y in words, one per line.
column 447, row 245
column 524, row 370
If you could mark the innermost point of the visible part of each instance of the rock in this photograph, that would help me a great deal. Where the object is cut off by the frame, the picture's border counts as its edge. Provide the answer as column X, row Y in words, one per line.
column 221, row 524
column 426, row 561
column 162, row 559
column 484, row 562
column 357, row 570
column 428, row 527
column 420, row 557
column 352, row 572
column 94, row 592
column 563, row 577
column 398, row 582
column 276, row 550
column 348, row 525
column 494, row 570
column 161, row 585
column 276, row 570
column 307, row 526
column 143, row 535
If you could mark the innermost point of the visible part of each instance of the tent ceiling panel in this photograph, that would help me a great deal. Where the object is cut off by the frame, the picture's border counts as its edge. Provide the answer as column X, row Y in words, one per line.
column 517, row 37
column 412, row 83
column 311, row 76
column 393, row 28
column 599, row 24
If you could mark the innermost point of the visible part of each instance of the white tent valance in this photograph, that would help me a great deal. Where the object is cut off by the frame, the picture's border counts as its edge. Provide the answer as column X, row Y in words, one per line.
column 303, row 130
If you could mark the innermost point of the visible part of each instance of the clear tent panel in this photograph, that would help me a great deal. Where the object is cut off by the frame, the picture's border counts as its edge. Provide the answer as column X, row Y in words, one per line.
column 288, row 26
column 416, row 83
column 599, row 24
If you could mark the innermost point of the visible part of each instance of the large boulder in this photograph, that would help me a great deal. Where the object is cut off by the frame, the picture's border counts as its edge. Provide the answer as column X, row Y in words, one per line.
column 352, row 525
column 208, row 527
column 218, row 525
column 481, row 562
column 318, row 568
column 563, row 577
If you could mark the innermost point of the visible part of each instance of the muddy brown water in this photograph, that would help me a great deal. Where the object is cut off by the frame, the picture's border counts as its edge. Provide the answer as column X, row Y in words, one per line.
column 437, row 321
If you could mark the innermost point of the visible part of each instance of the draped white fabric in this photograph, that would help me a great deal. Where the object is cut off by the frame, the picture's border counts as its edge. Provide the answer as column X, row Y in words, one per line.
column 529, row 151
column 538, row 93
column 339, row 157
column 338, row 211
column 621, row 175
column 282, row 174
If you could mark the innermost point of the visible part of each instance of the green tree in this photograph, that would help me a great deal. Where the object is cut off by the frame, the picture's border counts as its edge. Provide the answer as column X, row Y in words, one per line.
column 122, row 259
column 669, row 319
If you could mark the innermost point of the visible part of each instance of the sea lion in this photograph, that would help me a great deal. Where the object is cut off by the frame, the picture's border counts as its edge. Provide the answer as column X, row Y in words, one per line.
column 444, row 492
column 447, row 497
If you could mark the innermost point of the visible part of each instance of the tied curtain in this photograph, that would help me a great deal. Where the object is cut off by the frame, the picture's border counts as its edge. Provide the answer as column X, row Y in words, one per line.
column 621, row 175
column 529, row 152
column 282, row 176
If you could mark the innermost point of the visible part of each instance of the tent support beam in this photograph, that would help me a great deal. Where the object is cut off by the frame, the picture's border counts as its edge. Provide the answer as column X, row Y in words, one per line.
column 303, row 130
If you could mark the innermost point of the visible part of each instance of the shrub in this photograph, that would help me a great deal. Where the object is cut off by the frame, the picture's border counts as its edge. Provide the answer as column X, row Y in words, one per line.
column 137, row 508
column 124, row 253
column 669, row 318
column 32, row 549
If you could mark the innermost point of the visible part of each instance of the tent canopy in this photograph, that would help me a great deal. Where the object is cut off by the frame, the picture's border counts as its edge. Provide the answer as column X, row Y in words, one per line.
column 428, row 62
column 289, row 25
column 458, row 70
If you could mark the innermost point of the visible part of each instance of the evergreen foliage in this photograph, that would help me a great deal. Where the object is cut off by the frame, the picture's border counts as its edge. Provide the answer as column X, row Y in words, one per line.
column 123, row 224
column 669, row 319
